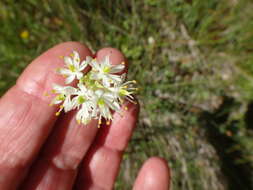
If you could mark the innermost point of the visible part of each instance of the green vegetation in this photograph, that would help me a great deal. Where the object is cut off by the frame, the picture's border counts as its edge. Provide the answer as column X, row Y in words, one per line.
column 194, row 63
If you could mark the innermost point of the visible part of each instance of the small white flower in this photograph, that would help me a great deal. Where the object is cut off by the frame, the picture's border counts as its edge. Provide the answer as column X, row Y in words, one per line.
column 82, row 95
column 84, row 114
column 64, row 94
column 74, row 67
column 124, row 90
column 105, row 71
column 104, row 103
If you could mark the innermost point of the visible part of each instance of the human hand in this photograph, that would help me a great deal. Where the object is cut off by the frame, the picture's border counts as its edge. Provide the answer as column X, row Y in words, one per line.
column 40, row 151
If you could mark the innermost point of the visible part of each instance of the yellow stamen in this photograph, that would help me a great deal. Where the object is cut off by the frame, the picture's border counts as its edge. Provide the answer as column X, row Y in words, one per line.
column 101, row 102
column 123, row 63
column 57, row 113
column 57, row 69
column 45, row 94
column 72, row 68
column 78, row 121
column 108, row 122
column 72, row 55
column 106, row 69
column 61, row 56
column 121, row 114
column 125, row 108
column 99, row 125
column 134, row 102
column 61, row 106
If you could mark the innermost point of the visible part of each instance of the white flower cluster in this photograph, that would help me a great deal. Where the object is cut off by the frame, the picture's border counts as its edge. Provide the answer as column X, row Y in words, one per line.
column 98, row 92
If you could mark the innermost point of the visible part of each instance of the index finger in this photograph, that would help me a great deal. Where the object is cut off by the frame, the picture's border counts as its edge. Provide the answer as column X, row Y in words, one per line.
column 26, row 119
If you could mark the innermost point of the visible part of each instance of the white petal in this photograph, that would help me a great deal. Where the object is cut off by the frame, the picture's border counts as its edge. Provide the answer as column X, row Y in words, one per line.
column 115, row 78
column 64, row 72
column 113, row 105
column 107, row 61
column 55, row 101
column 76, row 55
column 117, row 68
column 83, row 65
column 99, row 93
column 95, row 76
column 69, row 79
column 75, row 102
column 106, row 82
column 108, row 96
column 83, row 114
column 116, row 106
column 76, row 59
column 82, row 88
column 69, row 90
column 88, row 59
column 105, row 112
column 68, row 60
column 79, row 75
column 95, row 65
column 127, row 83
column 123, row 77
column 57, row 87
column 80, row 114
column 68, row 104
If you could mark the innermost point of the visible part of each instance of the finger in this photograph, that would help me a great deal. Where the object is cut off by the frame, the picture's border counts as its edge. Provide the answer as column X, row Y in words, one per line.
column 106, row 151
column 26, row 118
column 153, row 175
column 100, row 167
column 65, row 148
